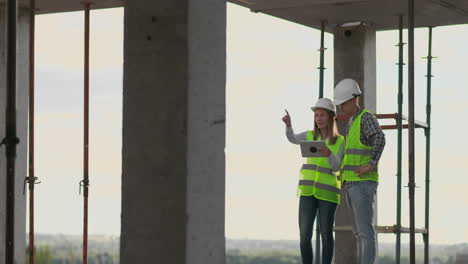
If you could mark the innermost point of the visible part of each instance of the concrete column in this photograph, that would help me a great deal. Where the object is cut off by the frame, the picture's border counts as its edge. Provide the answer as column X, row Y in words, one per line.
column 173, row 175
column 355, row 57
column 22, row 73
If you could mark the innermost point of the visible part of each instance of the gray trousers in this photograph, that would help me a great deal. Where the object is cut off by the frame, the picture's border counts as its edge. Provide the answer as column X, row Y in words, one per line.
column 360, row 196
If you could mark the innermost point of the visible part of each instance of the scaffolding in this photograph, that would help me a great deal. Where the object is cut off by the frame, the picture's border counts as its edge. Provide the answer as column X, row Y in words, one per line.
column 398, row 229
column 31, row 180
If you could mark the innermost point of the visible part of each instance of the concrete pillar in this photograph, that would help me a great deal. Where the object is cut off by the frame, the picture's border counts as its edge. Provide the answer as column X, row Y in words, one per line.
column 22, row 73
column 355, row 57
column 173, row 175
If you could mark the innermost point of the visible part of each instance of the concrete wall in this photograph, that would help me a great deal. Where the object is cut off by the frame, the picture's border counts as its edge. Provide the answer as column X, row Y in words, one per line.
column 22, row 126
column 355, row 57
column 173, row 174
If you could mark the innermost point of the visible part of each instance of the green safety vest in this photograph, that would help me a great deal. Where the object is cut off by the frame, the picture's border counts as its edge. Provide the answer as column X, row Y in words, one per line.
column 357, row 154
column 317, row 178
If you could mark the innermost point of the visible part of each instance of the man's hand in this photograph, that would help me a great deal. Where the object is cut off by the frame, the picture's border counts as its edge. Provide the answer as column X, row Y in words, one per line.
column 287, row 119
column 325, row 151
column 364, row 169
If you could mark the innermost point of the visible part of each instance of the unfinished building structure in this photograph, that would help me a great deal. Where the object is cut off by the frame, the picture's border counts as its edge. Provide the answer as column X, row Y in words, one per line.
column 175, row 74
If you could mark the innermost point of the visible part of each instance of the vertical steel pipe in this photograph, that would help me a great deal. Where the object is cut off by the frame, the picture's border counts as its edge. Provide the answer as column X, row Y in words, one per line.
column 428, row 147
column 322, row 57
column 10, row 140
column 31, row 179
column 85, row 182
column 321, row 68
column 411, row 174
column 400, row 138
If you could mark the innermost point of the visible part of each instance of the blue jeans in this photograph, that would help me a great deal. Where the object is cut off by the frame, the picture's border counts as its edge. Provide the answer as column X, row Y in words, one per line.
column 360, row 196
column 308, row 207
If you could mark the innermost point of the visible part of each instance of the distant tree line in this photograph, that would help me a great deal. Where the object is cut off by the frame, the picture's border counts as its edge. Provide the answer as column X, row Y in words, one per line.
column 285, row 257
column 43, row 255
column 65, row 249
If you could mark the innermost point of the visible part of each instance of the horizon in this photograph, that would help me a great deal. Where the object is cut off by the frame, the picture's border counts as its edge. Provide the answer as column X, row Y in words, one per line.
column 91, row 236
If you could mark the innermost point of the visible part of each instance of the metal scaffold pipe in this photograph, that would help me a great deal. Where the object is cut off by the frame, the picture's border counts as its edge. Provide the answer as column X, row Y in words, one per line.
column 322, row 57
column 400, row 137
column 428, row 147
column 85, row 182
column 411, row 174
column 321, row 69
column 32, row 178
column 10, row 141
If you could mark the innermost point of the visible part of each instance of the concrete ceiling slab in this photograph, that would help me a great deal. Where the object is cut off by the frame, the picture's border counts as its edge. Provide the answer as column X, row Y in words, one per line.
column 58, row 6
column 383, row 14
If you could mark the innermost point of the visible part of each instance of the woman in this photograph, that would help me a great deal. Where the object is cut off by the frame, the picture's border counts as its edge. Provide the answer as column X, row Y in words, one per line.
column 319, row 183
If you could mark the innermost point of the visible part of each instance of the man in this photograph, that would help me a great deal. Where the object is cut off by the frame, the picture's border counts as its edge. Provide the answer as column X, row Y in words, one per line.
column 365, row 142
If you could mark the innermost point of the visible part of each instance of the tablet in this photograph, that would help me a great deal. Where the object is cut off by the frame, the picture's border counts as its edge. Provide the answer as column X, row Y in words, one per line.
column 310, row 148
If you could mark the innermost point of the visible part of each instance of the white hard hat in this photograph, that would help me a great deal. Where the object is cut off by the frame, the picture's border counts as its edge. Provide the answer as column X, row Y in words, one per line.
column 324, row 103
column 346, row 89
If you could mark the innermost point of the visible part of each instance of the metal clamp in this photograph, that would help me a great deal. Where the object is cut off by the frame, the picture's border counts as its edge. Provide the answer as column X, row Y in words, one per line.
column 30, row 180
column 84, row 184
column 10, row 141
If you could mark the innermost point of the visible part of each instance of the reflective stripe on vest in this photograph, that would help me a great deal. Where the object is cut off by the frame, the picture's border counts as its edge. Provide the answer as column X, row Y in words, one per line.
column 320, row 169
column 317, row 168
column 320, row 185
column 357, row 154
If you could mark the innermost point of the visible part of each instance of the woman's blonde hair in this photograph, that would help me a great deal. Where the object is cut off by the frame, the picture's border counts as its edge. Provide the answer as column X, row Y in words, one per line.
column 332, row 128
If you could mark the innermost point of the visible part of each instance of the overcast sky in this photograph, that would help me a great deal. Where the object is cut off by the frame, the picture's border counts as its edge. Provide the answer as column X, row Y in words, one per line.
column 271, row 66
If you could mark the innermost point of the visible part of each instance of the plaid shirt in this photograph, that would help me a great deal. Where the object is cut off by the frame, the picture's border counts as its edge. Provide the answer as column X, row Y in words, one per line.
column 371, row 135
